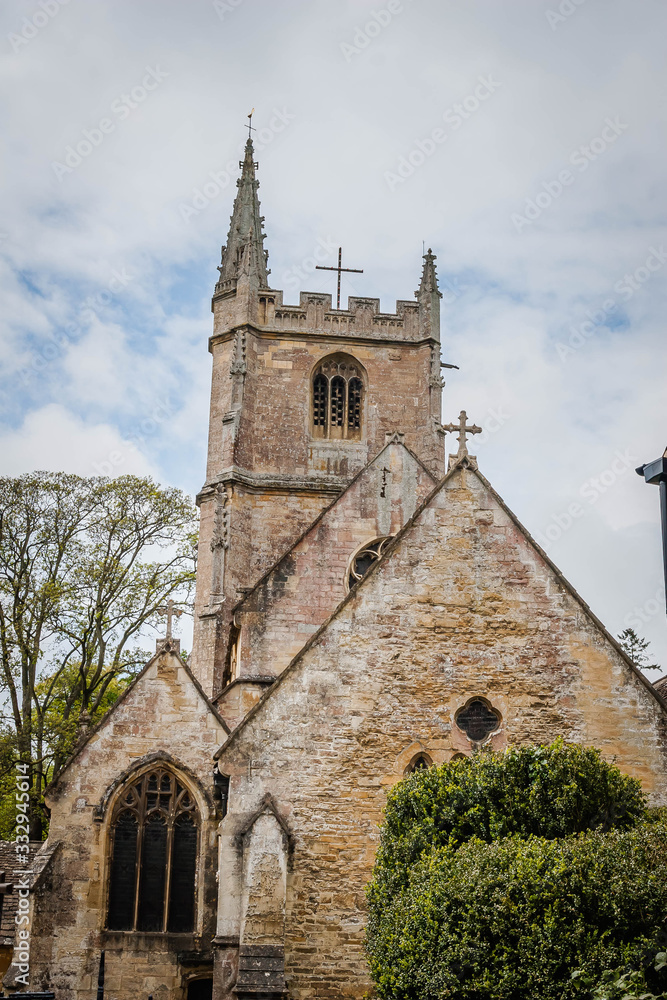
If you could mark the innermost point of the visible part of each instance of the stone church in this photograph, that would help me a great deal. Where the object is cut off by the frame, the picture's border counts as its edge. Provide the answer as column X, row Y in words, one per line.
column 362, row 610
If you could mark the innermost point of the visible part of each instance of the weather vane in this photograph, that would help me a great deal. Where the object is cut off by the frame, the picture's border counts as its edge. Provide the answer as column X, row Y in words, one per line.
column 251, row 127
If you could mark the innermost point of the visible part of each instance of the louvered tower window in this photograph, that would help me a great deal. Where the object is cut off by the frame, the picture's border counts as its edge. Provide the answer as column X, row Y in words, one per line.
column 320, row 400
column 338, row 390
column 154, row 836
column 354, row 387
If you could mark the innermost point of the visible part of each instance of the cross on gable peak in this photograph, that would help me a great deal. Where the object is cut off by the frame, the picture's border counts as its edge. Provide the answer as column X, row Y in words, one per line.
column 463, row 430
column 168, row 611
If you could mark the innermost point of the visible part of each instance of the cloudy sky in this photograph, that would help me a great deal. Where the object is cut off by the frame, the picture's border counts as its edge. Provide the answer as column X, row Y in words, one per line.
column 523, row 140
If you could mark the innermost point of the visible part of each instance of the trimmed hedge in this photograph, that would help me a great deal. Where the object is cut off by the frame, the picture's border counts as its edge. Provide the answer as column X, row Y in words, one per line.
column 499, row 876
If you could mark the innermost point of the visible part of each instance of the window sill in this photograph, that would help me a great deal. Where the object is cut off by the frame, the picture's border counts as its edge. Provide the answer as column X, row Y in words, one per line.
column 149, row 940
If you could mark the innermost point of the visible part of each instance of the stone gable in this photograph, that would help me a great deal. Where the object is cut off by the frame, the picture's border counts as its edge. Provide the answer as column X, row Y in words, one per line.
column 463, row 605
column 164, row 716
column 302, row 589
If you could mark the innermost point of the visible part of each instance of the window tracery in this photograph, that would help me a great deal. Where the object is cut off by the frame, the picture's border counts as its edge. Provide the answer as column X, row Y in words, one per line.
column 337, row 407
column 419, row 763
column 154, row 838
column 477, row 720
column 365, row 558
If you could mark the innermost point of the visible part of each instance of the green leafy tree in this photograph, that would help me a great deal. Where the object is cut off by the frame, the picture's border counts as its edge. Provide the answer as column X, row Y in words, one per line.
column 499, row 876
column 85, row 563
column 636, row 649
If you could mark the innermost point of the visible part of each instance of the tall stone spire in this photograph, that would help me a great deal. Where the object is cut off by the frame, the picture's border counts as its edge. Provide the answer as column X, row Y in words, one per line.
column 244, row 252
column 428, row 296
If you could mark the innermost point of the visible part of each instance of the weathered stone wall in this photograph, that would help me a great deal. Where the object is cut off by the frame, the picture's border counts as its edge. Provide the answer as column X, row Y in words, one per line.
column 262, row 525
column 261, row 447
column 289, row 604
column 274, row 428
column 163, row 716
column 462, row 606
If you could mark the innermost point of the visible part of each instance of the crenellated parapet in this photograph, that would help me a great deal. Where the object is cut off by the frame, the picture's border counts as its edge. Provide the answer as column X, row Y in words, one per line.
column 265, row 309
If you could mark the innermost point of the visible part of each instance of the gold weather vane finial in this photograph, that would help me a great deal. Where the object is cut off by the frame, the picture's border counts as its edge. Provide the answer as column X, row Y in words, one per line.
column 251, row 127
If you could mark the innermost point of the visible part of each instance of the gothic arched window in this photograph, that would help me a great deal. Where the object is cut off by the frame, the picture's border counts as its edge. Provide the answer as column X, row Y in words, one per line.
column 338, row 390
column 154, row 835
column 418, row 763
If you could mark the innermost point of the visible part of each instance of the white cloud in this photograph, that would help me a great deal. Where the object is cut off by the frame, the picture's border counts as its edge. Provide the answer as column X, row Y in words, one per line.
column 52, row 439
column 323, row 176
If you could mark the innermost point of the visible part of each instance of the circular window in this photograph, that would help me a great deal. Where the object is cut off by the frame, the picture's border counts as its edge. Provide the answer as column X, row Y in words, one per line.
column 365, row 558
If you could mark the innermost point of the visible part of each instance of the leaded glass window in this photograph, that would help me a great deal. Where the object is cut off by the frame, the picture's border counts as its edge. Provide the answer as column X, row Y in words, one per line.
column 477, row 720
column 419, row 763
column 154, row 838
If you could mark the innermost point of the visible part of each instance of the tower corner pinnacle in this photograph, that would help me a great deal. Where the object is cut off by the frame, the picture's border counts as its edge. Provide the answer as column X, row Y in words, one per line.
column 428, row 296
column 244, row 253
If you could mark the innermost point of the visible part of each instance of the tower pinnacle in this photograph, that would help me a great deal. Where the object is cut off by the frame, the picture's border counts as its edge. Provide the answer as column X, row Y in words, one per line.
column 244, row 252
column 428, row 296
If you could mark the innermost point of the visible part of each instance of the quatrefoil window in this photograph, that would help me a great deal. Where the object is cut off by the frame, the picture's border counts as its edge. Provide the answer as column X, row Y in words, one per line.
column 477, row 720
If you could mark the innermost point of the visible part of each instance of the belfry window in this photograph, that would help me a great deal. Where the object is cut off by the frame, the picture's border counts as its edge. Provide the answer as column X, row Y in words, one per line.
column 338, row 390
column 154, row 835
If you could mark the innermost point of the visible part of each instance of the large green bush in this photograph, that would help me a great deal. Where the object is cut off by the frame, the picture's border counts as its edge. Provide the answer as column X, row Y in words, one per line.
column 498, row 877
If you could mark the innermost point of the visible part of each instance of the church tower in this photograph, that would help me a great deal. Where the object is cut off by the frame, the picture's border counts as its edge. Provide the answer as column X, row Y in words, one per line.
column 302, row 397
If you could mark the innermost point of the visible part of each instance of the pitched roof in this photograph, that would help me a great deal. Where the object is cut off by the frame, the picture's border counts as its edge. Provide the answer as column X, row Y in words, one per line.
column 471, row 466
column 661, row 687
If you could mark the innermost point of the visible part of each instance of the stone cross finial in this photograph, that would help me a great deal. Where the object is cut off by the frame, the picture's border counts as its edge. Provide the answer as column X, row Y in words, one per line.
column 169, row 610
column 463, row 430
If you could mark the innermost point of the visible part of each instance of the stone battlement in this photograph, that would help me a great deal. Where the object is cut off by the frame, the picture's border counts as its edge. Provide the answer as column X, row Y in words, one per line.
column 314, row 314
